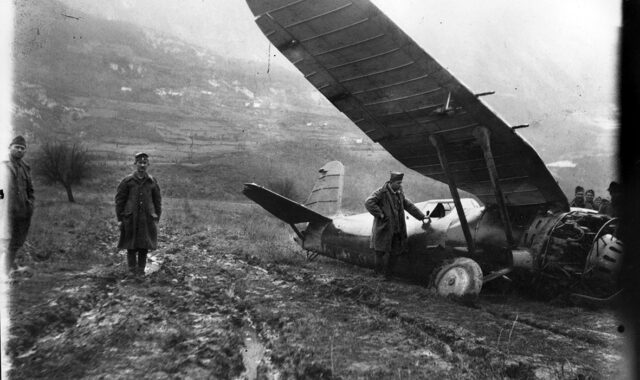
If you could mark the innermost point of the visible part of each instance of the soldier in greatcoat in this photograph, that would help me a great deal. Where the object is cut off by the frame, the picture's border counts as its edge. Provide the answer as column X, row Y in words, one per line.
column 138, row 209
column 20, row 196
column 389, row 231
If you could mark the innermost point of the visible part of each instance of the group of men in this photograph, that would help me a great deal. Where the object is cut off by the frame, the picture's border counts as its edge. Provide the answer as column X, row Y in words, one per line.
column 138, row 208
column 587, row 199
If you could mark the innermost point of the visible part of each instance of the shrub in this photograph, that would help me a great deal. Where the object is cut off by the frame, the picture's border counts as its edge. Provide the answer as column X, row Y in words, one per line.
column 64, row 163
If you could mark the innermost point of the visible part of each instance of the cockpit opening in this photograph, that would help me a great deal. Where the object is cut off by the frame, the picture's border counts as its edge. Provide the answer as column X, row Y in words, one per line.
column 439, row 208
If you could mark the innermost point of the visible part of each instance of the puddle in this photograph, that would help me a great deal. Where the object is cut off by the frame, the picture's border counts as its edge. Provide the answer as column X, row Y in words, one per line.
column 252, row 354
column 153, row 264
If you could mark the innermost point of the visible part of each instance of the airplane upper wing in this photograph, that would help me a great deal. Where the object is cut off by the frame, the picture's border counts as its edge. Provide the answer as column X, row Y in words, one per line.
column 399, row 96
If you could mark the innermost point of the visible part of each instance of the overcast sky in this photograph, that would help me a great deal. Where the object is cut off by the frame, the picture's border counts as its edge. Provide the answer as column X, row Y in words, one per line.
column 227, row 25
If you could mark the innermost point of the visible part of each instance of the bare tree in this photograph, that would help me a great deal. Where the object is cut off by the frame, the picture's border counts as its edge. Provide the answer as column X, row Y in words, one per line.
column 64, row 163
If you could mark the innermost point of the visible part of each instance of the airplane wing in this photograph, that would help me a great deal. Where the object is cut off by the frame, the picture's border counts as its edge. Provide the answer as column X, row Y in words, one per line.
column 399, row 96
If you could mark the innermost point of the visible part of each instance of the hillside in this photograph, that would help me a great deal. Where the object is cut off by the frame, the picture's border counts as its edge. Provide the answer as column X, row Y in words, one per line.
column 121, row 88
column 89, row 74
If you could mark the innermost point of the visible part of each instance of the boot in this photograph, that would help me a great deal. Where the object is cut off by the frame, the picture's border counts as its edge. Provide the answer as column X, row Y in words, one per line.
column 391, row 262
column 131, row 261
column 378, row 268
column 142, row 262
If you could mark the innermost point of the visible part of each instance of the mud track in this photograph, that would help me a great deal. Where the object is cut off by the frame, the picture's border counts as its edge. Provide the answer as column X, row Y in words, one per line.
column 211, row 310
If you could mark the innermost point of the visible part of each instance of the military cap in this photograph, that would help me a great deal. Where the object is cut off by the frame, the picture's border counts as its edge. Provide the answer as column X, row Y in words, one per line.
column 579, row 188
column 140, row 155
column 613, row 186
column 396, row 176
column 590, row 191
column 19, row 140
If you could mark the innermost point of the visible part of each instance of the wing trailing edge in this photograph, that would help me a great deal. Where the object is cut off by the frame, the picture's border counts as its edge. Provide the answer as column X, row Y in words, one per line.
column 399, row 96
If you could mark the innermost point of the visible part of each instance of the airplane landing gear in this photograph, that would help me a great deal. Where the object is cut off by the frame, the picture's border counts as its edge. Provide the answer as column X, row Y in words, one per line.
column 460, row 277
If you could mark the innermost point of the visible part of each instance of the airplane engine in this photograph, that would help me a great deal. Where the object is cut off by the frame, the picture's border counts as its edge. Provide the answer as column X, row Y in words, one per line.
column 605, row 256
column 577, row 244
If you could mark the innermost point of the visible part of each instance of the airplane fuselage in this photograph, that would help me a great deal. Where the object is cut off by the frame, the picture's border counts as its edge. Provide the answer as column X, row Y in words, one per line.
column 542, row 242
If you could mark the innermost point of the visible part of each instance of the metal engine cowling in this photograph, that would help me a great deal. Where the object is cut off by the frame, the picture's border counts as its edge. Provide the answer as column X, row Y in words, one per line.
column 582, row 243
column 605, row 256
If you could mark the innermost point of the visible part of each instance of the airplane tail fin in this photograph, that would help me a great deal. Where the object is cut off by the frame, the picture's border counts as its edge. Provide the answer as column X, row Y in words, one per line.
column 324, row 201
column 326, row 196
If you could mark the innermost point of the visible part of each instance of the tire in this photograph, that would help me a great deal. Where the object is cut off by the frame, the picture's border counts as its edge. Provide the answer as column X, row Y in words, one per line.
column 460, row 277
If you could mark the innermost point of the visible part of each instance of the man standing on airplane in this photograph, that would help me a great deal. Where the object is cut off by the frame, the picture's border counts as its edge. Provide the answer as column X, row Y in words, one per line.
column 389, row 231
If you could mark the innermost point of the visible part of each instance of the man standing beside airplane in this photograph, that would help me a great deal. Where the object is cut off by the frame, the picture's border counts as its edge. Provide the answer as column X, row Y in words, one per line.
column 389, row 231
column 138, row 209
column 21, row 198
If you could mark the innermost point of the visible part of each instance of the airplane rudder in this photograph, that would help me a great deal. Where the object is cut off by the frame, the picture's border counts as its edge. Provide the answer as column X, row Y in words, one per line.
column 326, row 196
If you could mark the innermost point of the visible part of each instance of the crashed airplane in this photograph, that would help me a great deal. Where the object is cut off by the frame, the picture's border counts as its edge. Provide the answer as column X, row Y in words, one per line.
column 428, row 120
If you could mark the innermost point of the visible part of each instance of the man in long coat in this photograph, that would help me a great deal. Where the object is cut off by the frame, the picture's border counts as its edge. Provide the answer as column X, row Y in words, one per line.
column 20, row 197
column 389, row 231
column 138, row 209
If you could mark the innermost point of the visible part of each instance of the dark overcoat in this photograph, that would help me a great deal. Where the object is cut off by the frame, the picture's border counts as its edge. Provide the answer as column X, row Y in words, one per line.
column 387, row 208
column 20, row 195
column 138, row 208
column 21, row 201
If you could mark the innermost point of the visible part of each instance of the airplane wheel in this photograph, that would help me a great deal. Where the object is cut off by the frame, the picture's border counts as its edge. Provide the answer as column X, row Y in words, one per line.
column 460, row 277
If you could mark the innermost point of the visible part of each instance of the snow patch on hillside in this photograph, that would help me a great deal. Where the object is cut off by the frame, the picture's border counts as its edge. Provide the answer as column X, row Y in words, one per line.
column 163, row 92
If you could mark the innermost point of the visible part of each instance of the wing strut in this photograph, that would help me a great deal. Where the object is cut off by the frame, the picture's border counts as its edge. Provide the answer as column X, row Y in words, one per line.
column 437, row 143
column 297, row 231
column 483, row 136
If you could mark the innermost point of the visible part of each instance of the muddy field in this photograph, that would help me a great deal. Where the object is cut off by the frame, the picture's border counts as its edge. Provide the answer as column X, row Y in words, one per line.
column 223, row 302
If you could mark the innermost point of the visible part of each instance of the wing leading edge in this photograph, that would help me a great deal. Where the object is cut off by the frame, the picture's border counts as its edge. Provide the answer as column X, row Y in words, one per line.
column 400, row 96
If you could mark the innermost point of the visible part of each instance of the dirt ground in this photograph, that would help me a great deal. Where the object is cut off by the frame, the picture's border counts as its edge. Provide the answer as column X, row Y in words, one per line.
column 209, row 307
